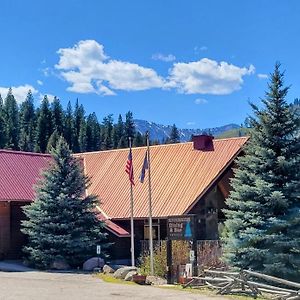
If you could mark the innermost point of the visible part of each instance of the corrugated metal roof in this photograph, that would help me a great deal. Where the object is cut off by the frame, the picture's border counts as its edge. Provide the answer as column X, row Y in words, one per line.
column 19, row 172
column 179, row 176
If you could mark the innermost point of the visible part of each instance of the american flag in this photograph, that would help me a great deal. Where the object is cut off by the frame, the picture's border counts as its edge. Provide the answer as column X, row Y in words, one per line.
column 129, row 167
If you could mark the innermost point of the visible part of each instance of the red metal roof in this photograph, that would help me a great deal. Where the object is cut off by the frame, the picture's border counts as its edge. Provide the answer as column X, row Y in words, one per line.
column 19, row 172
column 179, row 175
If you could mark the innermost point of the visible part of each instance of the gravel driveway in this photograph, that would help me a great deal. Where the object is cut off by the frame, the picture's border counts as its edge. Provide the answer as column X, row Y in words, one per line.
column 56, row 286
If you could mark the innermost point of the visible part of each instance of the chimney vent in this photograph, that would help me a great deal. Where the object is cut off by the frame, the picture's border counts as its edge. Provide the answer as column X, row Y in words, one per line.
column 203, row 142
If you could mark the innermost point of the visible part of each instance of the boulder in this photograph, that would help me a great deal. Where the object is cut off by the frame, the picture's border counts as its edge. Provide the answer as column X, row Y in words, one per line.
column 108, row 269
column 122, row 272
column 129, row 275
column 92, row 263
column 60, row 264
column 155, row 280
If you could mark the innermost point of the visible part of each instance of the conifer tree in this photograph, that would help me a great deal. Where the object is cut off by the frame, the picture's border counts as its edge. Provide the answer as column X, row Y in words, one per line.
column 174, row 135
column 82, row 138
column 27, row 124
column 11, row 118
column 2, row 125
column 263, row 215
column 118, row 135
column 93, row 133
column 44, row 126
column 79, row 116
column 69, row 126
column 138, row 140
column 57, row 114
column 53, row 141
column 107, row 140
column 129, row 127
column 61, row 222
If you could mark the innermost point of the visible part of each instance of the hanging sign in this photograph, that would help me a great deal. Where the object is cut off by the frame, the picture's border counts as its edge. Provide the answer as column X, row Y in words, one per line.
column 181, row 227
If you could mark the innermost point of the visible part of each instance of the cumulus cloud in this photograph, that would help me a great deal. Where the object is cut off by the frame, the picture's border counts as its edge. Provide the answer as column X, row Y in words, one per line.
column 207, row 76
column 19, row 92
column 49, row 96
column 162, row 57
column 89, row 70
column 262, row 76
column 201, row 101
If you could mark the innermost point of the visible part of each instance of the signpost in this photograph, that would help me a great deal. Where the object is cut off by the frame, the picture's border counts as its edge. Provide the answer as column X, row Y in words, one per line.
column 98, row 251
column 181, row 228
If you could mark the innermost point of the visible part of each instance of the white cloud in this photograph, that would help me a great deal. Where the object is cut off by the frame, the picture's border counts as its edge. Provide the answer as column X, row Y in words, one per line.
column 19, row 92
column 89, row 70
column 49, row 96
column 201, row 101
column 207, row 76
column 162, row 57
column 191, row 123
column 39, row 82
column 262, row 76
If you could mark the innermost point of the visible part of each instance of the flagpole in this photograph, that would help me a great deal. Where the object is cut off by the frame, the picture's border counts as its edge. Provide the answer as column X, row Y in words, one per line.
column 131, row 218
column 150, row 208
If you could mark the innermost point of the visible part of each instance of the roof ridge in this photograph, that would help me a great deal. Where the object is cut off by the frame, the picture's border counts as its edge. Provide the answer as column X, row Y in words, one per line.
column 160, row 145
column 24, row 153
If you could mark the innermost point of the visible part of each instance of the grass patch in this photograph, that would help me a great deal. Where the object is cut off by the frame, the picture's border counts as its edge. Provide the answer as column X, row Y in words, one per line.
column 110, row 279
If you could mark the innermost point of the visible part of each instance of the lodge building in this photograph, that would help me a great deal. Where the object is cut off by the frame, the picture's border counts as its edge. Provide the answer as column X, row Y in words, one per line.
column 186, row 178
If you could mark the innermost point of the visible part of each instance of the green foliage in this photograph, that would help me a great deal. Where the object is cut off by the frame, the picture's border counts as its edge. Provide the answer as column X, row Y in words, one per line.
column 243, row 131
column 61, row 222
column 174, row 136
column 11, row 119
column 263, row 223
column 129, row 127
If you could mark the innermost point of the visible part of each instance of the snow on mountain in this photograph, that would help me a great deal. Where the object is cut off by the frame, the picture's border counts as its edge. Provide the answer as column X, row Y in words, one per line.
column 162, row 132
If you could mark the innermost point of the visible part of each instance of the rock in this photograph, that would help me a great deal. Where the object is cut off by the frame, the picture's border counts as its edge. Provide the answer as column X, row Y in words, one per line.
column 129, row 275
column 92, row 263
column 122, row 272
column 60, row 264
column 155, row 280
column 108, row 269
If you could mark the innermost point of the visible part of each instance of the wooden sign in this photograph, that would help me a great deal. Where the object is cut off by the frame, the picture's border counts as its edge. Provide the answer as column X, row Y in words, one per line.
column 181, row 227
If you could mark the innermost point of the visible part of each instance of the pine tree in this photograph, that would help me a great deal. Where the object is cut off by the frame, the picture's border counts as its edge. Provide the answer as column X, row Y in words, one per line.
column 61, row 222
column 69, row 126
column 82, row 138
column 119, row 134
column 79, row 116
column 107, row 131
column 263, row 215
column 174, row 135
column 57, row 114
column 2, row 125
column 11, row 118
column 93, row 133
column 53, row 141
column 44, row 126
column 129, row 127
column 27, row 124
column 139, row 140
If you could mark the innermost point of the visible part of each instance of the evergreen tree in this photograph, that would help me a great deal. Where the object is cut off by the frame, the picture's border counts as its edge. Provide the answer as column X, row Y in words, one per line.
column 174, row 135
column 93, row 133
column 44, row 126
column 69, row 126
column 79, row 116
column 139, row 140
column 53, row 141
column 263, row 214
column 119, row 134
column 57, row 116
column 82, row 138
column 129, row 127
column 61, row 222
column 27, row 124
column 2, row 125
column 107, row 140
column 11, row 118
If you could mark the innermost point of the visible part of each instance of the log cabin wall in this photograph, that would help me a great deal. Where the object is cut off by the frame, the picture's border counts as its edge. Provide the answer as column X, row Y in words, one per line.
column 4, row 229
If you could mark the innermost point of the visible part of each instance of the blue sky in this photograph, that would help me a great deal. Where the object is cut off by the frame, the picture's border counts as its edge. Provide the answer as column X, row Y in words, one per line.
column 192, row 63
